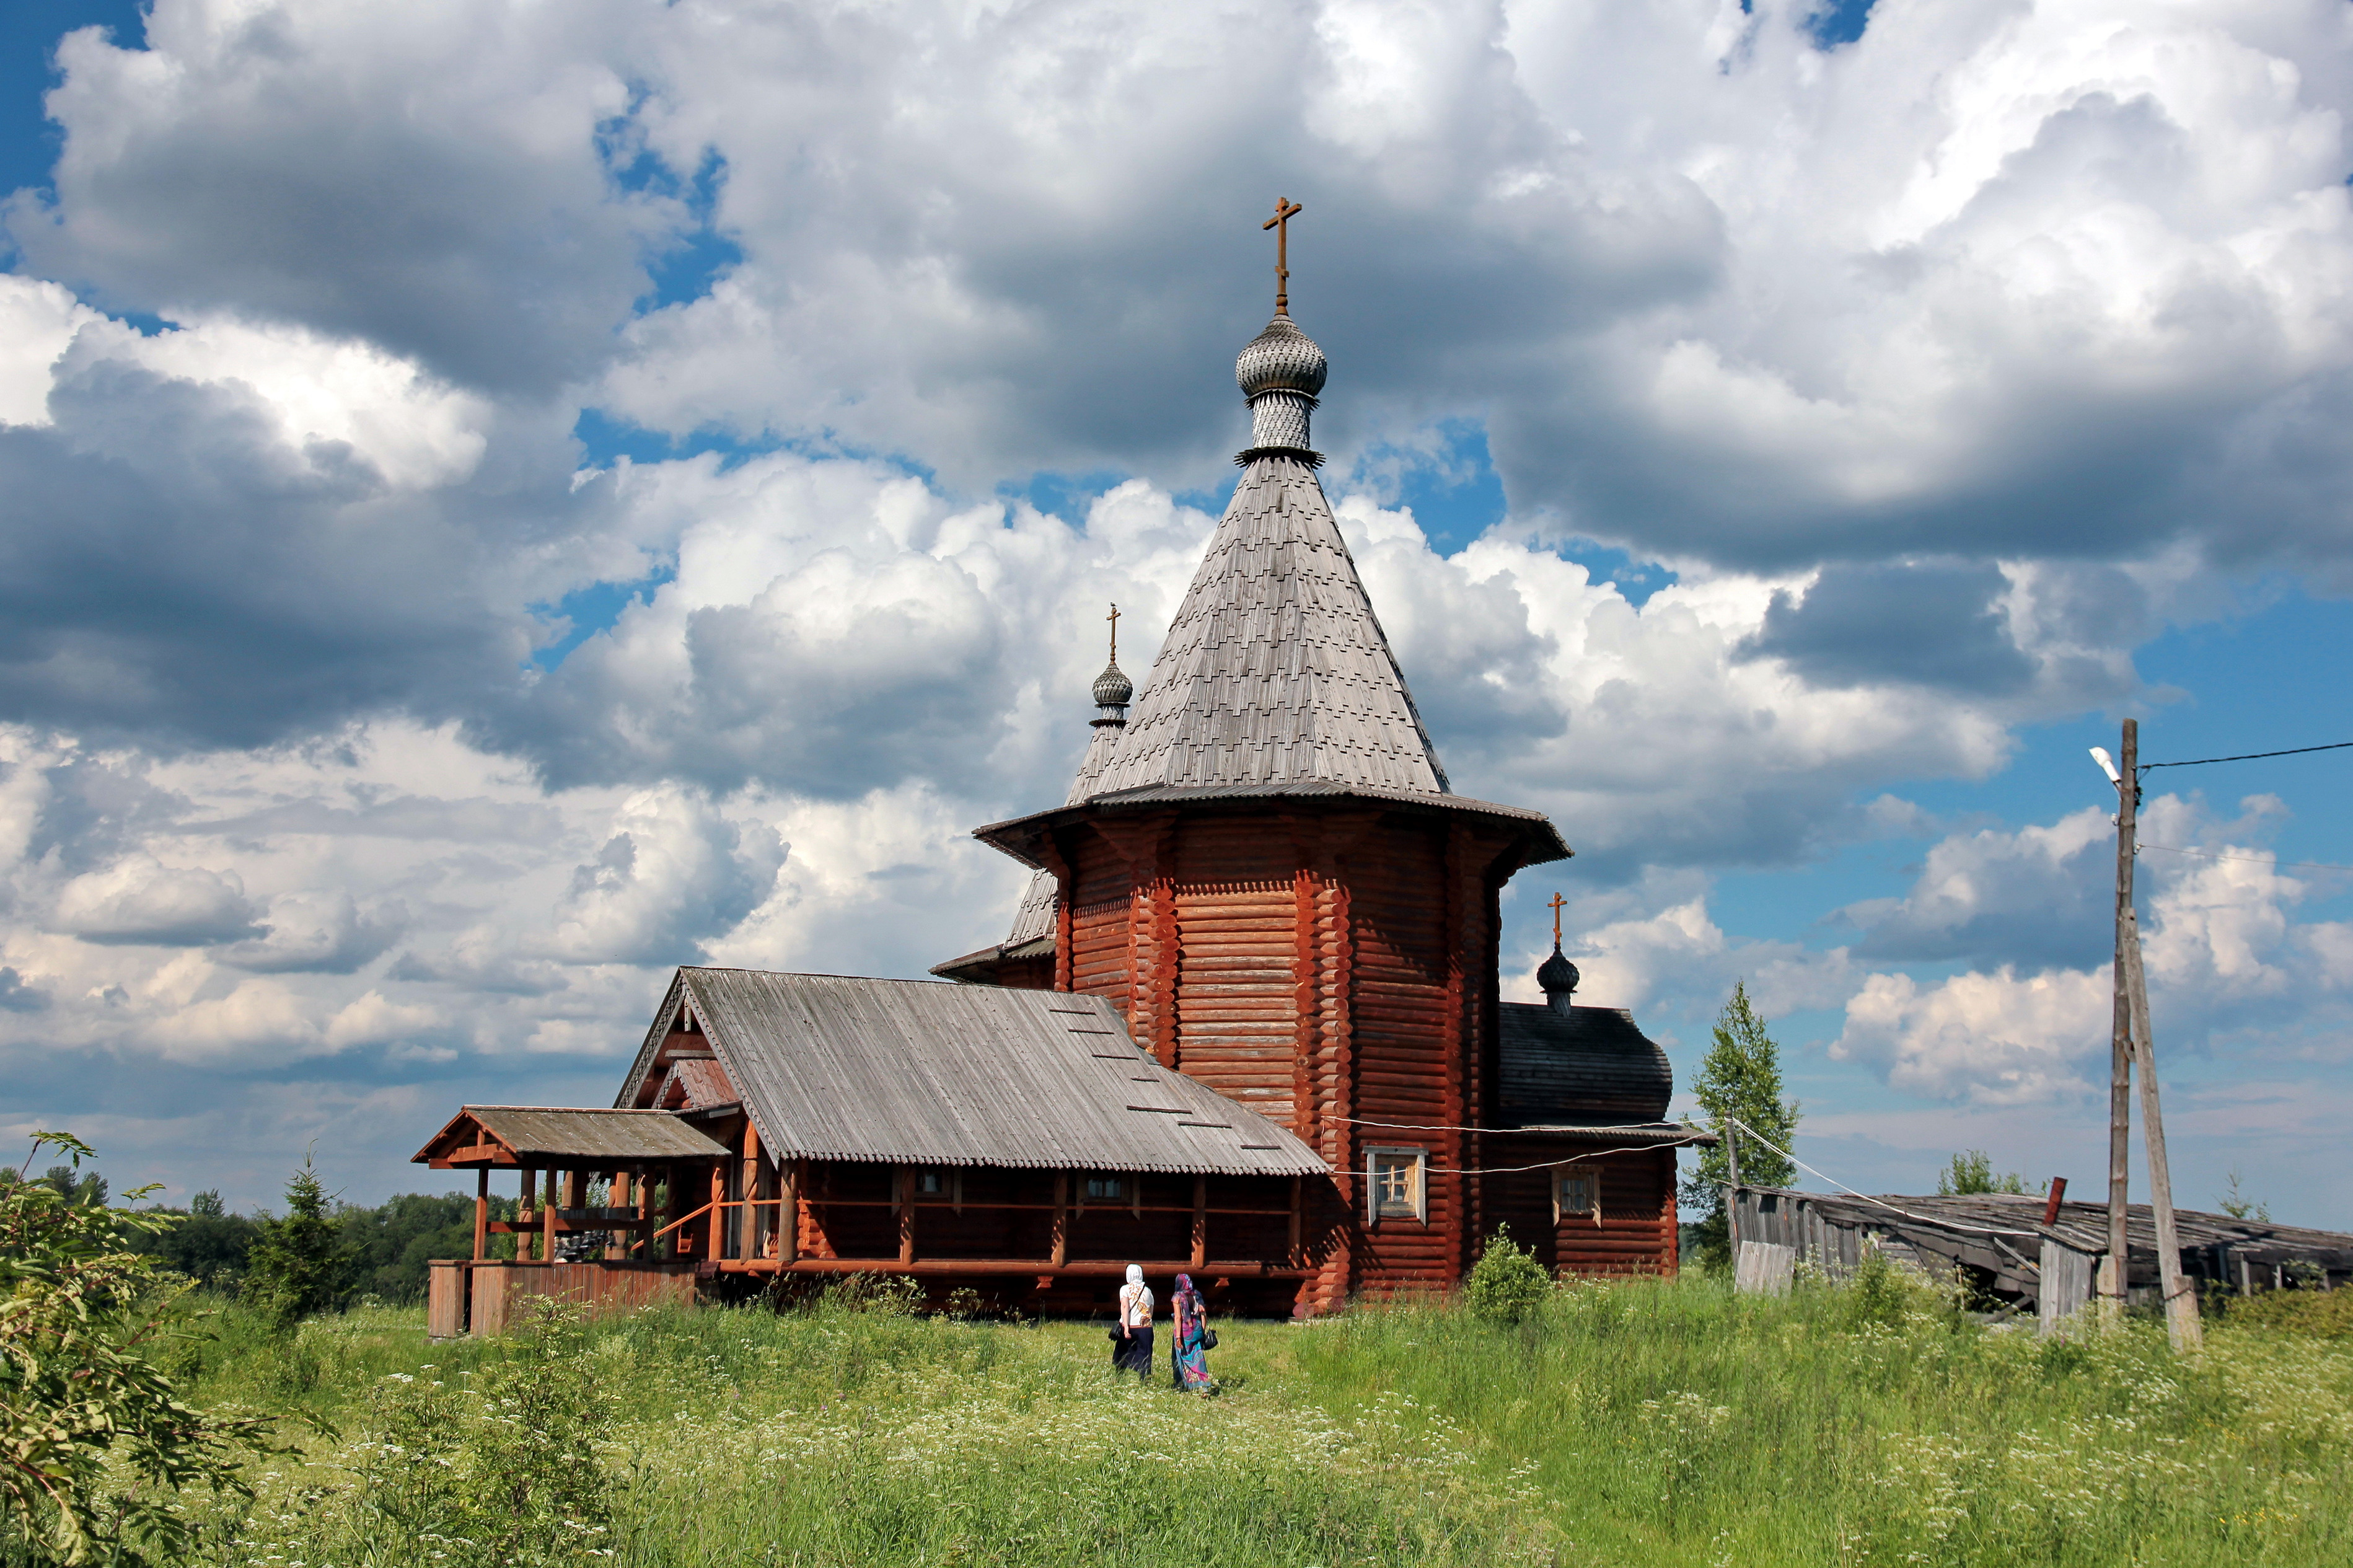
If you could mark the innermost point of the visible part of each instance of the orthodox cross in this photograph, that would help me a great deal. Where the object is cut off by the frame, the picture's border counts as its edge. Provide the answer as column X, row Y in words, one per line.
column 1557, row 902
column 1114, row 619
column 1285, row 209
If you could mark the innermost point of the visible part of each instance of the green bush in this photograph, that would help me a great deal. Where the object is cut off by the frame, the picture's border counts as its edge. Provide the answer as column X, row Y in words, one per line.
column 297, row 1265
column 100, row 1451
column 2325, row 1314
column 1507, row 1283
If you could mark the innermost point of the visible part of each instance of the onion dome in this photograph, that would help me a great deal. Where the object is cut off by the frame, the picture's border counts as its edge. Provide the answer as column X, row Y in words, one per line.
column 1558, row 976
column 1112, row 688
column 1281, row 358
column 1112, row 691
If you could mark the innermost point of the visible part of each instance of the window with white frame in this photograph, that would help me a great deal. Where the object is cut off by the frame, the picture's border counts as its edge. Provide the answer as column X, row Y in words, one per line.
column 1575, row 1194
column 1397, row 1183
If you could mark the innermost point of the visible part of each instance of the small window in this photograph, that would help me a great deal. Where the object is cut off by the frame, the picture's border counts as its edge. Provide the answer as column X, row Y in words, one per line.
column 931, row 1182
column 1575, row 1195
column 1106, row 1188
column 1397, row 1187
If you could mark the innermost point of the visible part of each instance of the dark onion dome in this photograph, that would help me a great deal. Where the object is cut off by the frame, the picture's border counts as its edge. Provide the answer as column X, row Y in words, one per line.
column 1558, row 974
column 1112, row 688
column 1280, row 358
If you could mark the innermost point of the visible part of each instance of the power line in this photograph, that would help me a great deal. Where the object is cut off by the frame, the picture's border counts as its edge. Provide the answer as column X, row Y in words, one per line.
column 2248, row 756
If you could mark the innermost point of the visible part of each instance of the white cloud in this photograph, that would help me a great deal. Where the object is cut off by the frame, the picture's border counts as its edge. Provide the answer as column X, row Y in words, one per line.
column 1998, row 1038
column 2225, row 960
column 139, row 899
column 674, row 873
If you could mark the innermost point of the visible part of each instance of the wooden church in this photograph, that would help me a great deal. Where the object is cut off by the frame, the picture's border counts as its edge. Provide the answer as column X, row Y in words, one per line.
column 1246, row 1023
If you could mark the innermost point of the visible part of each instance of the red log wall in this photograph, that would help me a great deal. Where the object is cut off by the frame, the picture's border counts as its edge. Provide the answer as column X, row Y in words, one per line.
column 1334, row 970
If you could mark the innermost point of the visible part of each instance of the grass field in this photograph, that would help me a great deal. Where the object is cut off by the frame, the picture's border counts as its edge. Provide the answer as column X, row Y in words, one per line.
column 1653, row 1423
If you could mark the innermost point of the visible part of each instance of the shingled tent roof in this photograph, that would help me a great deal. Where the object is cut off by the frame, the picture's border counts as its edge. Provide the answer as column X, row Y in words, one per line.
column 919, row 1072
column 1276, row 682
column 1276, row 669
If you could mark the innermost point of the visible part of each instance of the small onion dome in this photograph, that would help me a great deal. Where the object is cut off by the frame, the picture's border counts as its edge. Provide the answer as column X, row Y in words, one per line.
column 1558, row 974
column 1112, row 688
column 1279, row 358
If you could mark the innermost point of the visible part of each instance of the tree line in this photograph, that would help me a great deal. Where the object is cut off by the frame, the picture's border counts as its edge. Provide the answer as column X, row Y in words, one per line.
column 345, row 1253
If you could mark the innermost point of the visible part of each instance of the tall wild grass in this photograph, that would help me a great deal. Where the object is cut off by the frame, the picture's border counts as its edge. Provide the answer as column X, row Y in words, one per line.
column 1663, row 1422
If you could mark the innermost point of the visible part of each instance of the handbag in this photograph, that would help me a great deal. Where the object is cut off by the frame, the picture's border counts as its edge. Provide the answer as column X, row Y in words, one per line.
column 1208, row 1338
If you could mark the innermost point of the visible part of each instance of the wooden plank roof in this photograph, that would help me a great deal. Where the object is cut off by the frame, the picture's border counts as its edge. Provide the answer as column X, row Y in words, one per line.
column 2080, row 1226
column 546, row 1135
column 914, row 1072
column 1591, row 1062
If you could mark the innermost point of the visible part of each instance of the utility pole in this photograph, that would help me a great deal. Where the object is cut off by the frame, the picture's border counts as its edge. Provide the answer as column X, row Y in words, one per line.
column 1732, row 1194
column 2120, row 1030
column 2181, row 1323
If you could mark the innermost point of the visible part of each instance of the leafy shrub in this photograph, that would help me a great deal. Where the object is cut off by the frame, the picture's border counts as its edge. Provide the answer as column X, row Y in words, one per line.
column 1507, row 1283
column 497, row 1467
column 2324, row 1314
column 98, row 1451
column 1877, row 1292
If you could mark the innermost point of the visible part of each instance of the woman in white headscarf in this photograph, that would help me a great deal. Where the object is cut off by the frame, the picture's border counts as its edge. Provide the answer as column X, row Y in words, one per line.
column 1131, row 1349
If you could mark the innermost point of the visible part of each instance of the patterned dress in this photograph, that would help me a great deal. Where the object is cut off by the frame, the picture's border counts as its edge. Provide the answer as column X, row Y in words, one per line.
column 1189, row 1354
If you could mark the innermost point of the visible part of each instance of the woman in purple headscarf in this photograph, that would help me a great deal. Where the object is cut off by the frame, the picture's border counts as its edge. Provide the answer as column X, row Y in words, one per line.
column 1189, row 1354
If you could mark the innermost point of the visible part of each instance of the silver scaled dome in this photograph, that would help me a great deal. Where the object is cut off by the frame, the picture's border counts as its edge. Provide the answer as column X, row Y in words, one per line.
column 1280, row 358
column 1112, row 688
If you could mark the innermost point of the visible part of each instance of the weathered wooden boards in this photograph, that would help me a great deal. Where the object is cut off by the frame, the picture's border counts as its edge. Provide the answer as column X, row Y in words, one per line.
column 1763, row 1268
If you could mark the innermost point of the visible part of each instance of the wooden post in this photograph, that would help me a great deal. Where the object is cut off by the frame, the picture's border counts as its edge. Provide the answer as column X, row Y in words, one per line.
column 715, row 1231
column 1296, row 1196
column 1200, row 1220
column 1732, row 1196
column 2120, row 1032
column 523, row 1205
column 547, row 1222
column 621, row 1199
column 904, row 1175
column 1060, row 1233
column 574, row 1182
column 2181, row 1324
column 747, row 1234
column 673, row 1211
column 789, row 1212
column 481, row 1213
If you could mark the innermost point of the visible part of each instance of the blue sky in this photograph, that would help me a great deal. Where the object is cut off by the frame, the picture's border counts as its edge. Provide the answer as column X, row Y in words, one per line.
column 496, row 508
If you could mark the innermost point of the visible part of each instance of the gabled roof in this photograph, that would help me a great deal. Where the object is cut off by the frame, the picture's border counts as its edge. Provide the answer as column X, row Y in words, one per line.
column 1276, row 669
column 913, row 1072
column 523, row 1135
column 1590, row 1063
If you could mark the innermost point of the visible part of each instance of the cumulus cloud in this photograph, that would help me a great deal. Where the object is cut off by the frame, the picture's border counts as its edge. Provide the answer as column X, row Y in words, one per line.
column 1998, row 1038
column 673, row 873
column 139, row 899
column 444, row 181
column 2225, row 957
